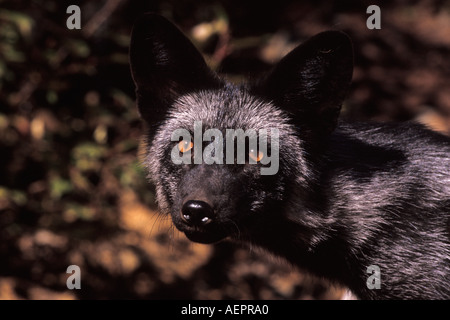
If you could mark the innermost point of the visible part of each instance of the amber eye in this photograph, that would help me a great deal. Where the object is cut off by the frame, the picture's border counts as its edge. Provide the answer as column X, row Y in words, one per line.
column 256, row 156
column 185, row 146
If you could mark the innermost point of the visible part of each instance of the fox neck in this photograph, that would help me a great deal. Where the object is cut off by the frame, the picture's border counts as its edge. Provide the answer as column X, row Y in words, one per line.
column 319, row 247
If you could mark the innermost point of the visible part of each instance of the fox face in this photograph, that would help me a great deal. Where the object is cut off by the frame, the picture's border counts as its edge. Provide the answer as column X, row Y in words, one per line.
column 208, row 200
column 208, row 192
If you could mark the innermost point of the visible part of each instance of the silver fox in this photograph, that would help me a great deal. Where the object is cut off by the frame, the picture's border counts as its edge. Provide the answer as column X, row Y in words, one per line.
column 345, row 197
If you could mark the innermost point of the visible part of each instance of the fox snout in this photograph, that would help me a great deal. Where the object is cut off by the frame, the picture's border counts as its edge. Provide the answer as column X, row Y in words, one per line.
column 201, row 221
column 201, row 208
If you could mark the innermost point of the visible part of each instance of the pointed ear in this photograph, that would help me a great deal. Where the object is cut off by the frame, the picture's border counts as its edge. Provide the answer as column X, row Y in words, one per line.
column 164, row 65
column 312, row 81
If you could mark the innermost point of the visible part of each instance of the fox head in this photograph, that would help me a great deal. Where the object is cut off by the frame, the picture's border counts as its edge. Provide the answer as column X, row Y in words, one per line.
column 299, row 100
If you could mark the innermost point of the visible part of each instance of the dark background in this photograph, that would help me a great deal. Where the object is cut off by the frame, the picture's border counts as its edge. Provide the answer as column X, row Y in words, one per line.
column 71, row 187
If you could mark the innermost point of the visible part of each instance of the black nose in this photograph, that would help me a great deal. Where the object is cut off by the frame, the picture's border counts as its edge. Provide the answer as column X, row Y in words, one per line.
column 197, row 213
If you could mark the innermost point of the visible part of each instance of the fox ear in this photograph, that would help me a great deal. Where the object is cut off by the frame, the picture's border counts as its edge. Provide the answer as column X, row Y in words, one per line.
column 164, row 65
column 312, row 81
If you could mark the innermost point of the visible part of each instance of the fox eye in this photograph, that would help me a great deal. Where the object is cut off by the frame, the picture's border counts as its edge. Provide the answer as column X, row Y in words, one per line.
column 256, row 155
column 185, row 145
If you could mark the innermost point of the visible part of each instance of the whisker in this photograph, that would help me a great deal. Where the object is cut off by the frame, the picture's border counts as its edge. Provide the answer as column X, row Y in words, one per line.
column 159, row 217
column 236, row 227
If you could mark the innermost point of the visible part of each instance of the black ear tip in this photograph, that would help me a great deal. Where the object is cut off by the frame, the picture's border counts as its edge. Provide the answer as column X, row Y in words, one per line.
column 149, row 23
column 332, row 40
column 150, row 18
column 337, row 34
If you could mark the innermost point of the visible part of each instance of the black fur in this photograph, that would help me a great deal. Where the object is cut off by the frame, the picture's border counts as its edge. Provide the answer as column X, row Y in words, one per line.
column 346, row 196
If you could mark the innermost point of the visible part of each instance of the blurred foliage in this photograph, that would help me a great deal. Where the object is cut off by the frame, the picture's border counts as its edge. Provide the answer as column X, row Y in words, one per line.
column 71, row 186
column 67, row 105
column 69, row 129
